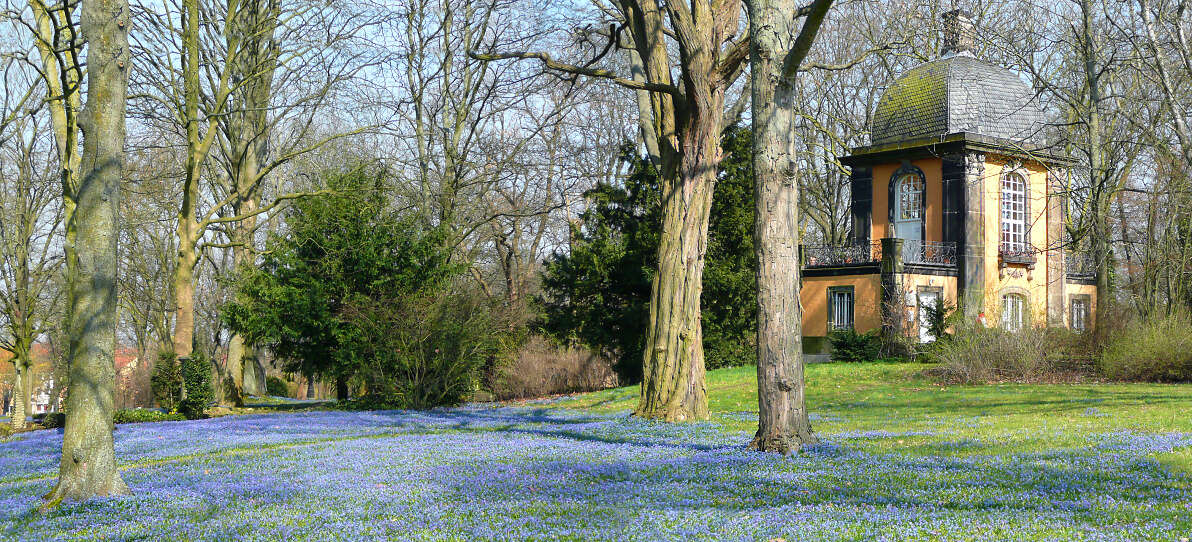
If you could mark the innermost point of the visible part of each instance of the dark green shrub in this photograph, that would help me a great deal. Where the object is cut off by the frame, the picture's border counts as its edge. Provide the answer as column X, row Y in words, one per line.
column 426, row 351
column 276, row 387
column 166, row 382
column 1155, row 349
column 940, row 316
column 52, row 420
column 142, row 415
column 850, row 346
column 196, row 381
column 340, row 254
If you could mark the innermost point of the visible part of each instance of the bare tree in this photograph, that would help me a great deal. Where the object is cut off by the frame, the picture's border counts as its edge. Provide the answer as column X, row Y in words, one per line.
column 687, row 114
column 211, row 74
column 30, row 229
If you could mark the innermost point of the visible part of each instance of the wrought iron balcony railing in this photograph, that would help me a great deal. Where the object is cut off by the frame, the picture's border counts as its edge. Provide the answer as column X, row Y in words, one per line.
column 838, row 255
column 1080, row 265
column 1017, row 254
column 915, row 251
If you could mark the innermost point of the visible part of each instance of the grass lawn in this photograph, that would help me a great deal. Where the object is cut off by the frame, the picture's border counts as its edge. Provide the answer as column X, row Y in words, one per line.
column 1003, row 419
column 901, row 459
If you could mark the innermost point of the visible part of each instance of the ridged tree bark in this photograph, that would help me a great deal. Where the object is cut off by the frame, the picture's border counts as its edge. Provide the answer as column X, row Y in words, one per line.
column 673, row 387
column 777, row 52
column 22, row 383
column 88, row 466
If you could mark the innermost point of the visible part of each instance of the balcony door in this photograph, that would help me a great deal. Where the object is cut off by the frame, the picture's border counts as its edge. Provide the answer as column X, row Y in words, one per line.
column 909, row 199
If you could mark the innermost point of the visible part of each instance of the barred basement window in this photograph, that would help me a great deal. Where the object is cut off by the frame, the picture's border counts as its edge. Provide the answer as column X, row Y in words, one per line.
column 1013, row 312
column 840, row 308
column 1014, row 214
column 1080, row 314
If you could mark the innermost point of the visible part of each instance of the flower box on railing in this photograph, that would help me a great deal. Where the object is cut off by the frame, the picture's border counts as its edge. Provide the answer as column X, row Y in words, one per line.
column 1017, row 256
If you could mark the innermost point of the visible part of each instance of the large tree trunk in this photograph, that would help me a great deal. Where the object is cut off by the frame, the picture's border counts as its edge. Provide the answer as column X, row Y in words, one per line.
column 673, row 387
column 783, row 424
column 188, row 232
column 254, row 30
column 20, row 397
column 88, row 466
column 27, row 382
column 184, row 291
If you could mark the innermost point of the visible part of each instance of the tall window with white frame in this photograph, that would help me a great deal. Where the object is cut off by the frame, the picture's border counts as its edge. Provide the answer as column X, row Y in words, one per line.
column 840, row 308
column 1013, row 312
column 1014, row 240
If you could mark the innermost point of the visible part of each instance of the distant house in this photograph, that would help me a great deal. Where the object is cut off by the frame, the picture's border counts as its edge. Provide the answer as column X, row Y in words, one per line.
column 956, row 200
column 126, row 361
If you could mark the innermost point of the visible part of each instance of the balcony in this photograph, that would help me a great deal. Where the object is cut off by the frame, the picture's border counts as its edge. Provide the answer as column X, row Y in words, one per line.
column 908, row 252
column 1080, row 266
column 1016, row 254
column 917, row 252
column 842, row 255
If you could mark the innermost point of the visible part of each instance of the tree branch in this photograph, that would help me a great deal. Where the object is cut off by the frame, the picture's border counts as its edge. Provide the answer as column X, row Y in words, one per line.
column 578, row 70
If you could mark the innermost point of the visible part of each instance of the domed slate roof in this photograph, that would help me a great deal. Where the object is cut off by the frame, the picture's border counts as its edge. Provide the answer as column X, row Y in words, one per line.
column 957, row 93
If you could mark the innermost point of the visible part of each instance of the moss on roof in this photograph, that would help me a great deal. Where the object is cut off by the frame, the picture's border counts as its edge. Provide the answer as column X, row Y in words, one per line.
column 959, row 93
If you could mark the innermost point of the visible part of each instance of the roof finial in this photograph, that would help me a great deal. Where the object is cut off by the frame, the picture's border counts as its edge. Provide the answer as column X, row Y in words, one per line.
column 959, row 33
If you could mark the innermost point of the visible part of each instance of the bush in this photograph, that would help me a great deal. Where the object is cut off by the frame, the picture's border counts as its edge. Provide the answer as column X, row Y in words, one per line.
column 1156, row 349
column 196, row 380
column 850, row 346
column 540, row 368
column 142, row 415
column 53, row 420
column 424, row 351
column 276, row 387
column 345, row 257
column 976, row 354
column 166, row 382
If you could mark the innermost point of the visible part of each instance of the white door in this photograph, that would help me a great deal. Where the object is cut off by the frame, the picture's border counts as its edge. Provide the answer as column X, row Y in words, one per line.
column 927, row 299
column 908, row 214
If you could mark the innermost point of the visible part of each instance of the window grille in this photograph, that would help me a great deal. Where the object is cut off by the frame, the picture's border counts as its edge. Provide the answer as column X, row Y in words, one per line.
column 841, row 303
column 1080, row 314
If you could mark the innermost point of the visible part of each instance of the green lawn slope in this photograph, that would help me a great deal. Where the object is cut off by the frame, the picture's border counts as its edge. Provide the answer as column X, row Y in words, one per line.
column 930, row 419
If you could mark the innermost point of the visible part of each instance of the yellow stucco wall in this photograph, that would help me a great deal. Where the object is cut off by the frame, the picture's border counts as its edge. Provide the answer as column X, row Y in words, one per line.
column 1015, row 278
column 866, row 302
column 867, row 299
column 1031, row 281
column 933, row 173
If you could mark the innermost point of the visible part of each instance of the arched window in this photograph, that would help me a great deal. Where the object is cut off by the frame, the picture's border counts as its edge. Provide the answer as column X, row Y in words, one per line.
column 1014, row 212
column 1014, row 312
column 910, row 197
